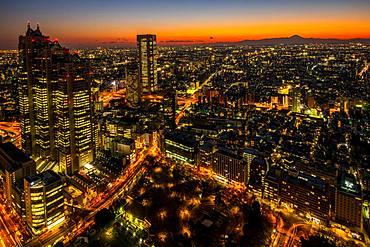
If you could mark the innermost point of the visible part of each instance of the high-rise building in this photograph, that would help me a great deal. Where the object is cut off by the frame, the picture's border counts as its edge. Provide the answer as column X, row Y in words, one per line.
column 306, row 194
column 230, row 165
column 147, row 46
column 74, row 136
column 132, row 84
column 169, row 109
column 348, row 201
column 35, row 98
column 44, row 200
column 272, row 184
column 296, row 100
column 55, row 102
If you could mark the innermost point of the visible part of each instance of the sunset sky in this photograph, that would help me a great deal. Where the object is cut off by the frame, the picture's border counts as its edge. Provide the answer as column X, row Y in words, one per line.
column 78, row 23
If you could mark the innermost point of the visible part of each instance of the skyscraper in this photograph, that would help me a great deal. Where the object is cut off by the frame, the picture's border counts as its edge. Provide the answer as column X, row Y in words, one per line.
column 35, row 98
column 132, row 84
column 73, row 122
column 296, row 104
column 147, row 46
column 169, row 108
column 55, row 102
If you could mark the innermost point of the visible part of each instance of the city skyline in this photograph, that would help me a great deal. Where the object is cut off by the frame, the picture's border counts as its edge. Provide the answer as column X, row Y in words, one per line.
column 116, row 23
column 201, row 123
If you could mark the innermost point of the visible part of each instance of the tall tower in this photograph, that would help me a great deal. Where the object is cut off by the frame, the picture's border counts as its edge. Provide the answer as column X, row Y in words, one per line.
column 73, row 121
column 37, row 75
column 296, row 104
column 55, row 102
column 132, row 84
column 169, row 108
column 147, row 46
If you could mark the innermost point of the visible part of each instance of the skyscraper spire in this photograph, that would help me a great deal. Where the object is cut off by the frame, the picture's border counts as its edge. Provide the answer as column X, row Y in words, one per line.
column 28, row 24
column 38, row 26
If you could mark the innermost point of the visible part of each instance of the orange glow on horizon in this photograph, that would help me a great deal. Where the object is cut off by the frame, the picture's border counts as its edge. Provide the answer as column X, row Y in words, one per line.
column 221, row 32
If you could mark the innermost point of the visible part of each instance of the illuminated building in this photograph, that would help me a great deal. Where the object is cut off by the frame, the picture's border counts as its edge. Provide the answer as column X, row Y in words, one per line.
column 36, row 76
column 147, row 46
column 73, row 121
column 124, row 146
column 205, row 154
column 271, row 187
column 348, row 201
column 249, row 155
column 230, row 165
column 306, row 194
column 296, row 101
column 44, row 201
column 258, row 168
column 132, row 85
column 169, row 109
column 283, row 96
column 15, row 165
column 55, row 102
column 180, row 146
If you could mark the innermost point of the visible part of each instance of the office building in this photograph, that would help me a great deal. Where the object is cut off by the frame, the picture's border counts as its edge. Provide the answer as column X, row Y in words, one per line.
column 169, row 109
column 73, row 121
column 271, row 186
column 180, row 146
column 296, row 100
column 205, row 154
column 306, row 194
column 36, row 76
column 230, row 165
column 258, row 168
column 44, row 201
column 147, row 47
column 132, row 84
column 348, row 201
column 55, row 102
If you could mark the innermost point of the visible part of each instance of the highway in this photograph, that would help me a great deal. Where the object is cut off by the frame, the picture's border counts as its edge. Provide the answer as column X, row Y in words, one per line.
column 13, row 230
column 106, row 97
column 12, row 130
column 192, row 99
column 123, row 184
column 364, row 70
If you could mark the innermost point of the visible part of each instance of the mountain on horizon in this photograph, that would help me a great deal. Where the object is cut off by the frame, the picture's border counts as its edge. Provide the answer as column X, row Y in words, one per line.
column 299, row 40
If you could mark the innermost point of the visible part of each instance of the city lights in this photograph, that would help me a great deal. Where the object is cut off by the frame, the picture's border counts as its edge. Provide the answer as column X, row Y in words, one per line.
column 195, row 123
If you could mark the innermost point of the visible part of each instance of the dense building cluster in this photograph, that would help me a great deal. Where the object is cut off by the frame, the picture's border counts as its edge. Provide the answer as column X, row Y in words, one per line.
column 287, row 124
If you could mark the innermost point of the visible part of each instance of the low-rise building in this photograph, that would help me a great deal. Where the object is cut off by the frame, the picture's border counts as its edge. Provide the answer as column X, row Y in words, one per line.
column 44, row 200
column 180, row 146
column 230, row 165
column 15, row 165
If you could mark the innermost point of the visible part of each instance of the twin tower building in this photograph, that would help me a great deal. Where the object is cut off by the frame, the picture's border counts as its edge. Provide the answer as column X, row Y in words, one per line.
column 56, row 107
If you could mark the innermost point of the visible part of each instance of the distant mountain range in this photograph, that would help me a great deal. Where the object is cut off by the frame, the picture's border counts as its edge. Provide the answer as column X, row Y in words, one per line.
column 298, row 40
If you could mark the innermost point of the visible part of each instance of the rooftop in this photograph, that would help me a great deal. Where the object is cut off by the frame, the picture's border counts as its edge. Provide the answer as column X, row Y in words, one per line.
column 13, row 156
column 45, row 178
column 348, row 183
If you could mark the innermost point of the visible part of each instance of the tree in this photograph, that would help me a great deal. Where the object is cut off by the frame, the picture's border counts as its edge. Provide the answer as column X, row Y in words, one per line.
column 103, row 217
column 316, row 241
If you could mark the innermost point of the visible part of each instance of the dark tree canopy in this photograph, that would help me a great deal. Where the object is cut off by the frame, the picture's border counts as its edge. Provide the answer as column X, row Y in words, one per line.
column 316, row 241
column 103, row 217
